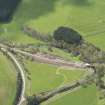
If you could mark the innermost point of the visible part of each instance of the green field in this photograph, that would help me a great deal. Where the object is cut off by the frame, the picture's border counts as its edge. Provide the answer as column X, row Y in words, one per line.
column 88, row 18
column 45, row 16
column 7, row 82
column 45, row 77
column 59, row 52
column 83, row 96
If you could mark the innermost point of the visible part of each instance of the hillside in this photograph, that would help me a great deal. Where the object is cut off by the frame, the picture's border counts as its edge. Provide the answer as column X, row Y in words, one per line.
column 45, row 16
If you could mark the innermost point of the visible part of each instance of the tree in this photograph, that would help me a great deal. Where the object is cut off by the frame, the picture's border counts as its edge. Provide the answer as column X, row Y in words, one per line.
column 96, row 76
column 68, row 35
column 7, row 8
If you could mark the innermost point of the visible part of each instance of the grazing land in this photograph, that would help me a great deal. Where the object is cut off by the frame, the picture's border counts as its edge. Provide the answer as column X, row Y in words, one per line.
column 7, row 82
column 45, row 16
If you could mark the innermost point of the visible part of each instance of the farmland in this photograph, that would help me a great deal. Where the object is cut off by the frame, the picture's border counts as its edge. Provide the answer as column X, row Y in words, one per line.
column 88, row 18
column 7, row 82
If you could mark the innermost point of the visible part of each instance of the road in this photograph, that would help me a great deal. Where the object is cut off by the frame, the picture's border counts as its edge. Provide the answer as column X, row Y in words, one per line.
column 17, row 64
column 50, row 59
column 40, row 57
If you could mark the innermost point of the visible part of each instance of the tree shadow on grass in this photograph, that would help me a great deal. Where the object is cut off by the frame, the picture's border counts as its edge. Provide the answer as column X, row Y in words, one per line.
column 7, row 9
column 32, row 9
column 79, row 2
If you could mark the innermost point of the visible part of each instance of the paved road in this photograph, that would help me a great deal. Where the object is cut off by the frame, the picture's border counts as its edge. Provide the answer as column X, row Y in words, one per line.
column 12, row 57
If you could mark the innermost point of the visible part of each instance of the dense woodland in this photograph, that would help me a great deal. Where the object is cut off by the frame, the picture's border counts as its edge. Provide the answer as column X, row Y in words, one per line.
column 7, row 9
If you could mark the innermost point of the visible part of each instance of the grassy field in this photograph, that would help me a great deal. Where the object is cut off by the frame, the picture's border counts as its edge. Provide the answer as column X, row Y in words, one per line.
column 87, row 17
column 45, row 77
column 83, row 96
column 7, row 82
column 59, row 52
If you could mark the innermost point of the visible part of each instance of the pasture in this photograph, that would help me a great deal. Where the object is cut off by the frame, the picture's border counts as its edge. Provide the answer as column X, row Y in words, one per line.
column 7, row 82
column 83, row 96
column 87, row 17
column 46, row 77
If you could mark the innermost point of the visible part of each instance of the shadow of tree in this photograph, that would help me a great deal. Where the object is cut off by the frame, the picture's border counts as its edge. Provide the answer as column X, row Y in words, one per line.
column 27, row 10
column 79, row 2
column 7, row 9
column 32, row 9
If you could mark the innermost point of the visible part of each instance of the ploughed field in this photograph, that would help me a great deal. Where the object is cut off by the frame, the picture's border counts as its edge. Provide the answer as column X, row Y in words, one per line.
column 87, row 17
